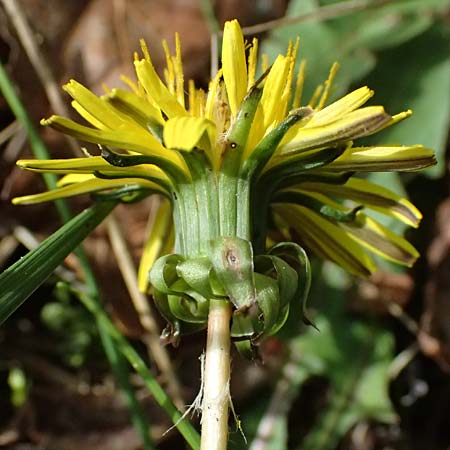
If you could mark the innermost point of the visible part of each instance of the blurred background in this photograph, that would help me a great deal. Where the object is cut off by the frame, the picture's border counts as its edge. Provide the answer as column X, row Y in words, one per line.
column 377, row 374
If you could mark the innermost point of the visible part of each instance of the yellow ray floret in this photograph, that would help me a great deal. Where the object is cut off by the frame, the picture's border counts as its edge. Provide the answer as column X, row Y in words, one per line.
column 341, row 107
column 157, row 90
column 371, row 195
column 159, row 242
column 384, row 159
column 188, row 133
column 358, row 123
column 327, row 239
column 88, row 185
column 234, row 65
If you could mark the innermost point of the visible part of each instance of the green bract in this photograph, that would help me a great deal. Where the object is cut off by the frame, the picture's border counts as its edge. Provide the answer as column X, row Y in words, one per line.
column 247, row 176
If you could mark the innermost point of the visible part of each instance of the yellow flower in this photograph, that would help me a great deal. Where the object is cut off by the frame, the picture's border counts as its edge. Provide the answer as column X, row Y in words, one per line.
column 242, row 160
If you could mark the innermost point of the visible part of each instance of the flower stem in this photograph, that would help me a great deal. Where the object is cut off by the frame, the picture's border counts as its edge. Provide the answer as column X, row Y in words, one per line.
column 216, row 380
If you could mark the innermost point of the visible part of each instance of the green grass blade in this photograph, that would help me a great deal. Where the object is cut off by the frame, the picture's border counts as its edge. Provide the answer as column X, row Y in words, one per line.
column 115, row 358
column 20, row 280
column 120, row 369
column 185, row 428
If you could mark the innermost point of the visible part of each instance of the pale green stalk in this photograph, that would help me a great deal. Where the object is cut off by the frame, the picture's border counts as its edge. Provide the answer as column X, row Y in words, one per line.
column 216, row 382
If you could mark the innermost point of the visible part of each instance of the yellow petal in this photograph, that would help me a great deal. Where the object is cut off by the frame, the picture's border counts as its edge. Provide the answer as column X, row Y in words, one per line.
column 88, row 116
column 367, row 232
column 351, row 126
column 99, row 109
column 184, row 133
column 381, row 241
column 372, row 195
column 274, row 87
column 252, row 63
column 72, row 178
column 212, row 95
column 384, row 159
column 157, row 90
column 159, row 242
column 141, row 141
column 83, row 187
column 94, row 164
column 341, row 107
column 135, row 105
column 397, row 118
column 272, row 106
column 79, row 165
column 327, row 239
column 136, row 140
column 234, row 64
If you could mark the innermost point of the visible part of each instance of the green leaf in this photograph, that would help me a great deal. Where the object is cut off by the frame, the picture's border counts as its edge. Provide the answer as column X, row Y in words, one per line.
column 421, row 83
column 355, row 356
column 232, row 259
column 351, row 39
column 393, row 24
column 291, row 251
column 20, row 280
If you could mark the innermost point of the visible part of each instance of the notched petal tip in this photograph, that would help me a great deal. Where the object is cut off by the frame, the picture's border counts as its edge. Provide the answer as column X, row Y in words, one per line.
column 72, row 83
column 47, row 121
column 23, row 163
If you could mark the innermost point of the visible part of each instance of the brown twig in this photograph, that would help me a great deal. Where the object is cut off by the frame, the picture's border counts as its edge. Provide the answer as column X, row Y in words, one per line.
column 15, row 146
column 7, row 247
column 9, row 131
column 18, row 19
column 324, row 13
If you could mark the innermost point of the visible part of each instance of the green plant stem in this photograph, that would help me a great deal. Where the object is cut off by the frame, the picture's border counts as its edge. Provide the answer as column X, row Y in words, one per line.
column 114, row 357
column 120, row 370
column 216, row 381
column 185, row 428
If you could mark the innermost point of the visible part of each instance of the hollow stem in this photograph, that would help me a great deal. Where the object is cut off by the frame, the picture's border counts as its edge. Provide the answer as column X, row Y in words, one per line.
column 216, row 379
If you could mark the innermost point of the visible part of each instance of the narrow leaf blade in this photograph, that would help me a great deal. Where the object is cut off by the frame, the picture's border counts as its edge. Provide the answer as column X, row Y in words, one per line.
column 20, row 280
